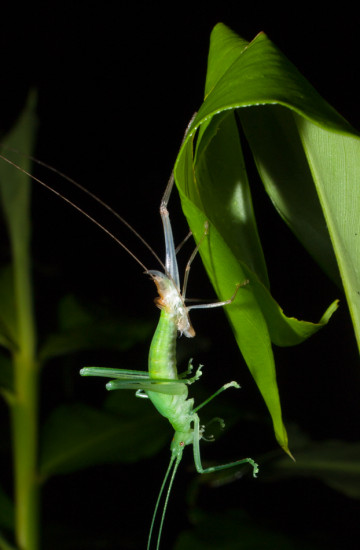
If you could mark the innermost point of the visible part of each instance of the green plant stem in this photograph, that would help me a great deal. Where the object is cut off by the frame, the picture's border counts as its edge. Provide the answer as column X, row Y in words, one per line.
column 24, row 409
column 25, row 437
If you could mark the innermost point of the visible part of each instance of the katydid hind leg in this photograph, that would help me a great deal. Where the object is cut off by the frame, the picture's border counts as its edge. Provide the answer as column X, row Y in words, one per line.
column 159, row 385
column 114, row 373
column 138, row 380
column 197, row 456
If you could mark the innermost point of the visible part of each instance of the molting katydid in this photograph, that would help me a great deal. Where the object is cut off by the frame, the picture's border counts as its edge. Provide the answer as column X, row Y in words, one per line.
column 166, row 389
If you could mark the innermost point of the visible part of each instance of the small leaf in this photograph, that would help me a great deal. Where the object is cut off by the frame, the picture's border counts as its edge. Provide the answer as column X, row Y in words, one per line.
column 294, row 135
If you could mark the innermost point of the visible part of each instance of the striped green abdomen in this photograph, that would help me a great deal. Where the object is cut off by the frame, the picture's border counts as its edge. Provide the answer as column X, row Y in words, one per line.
column 162, row 364
column 162, row 355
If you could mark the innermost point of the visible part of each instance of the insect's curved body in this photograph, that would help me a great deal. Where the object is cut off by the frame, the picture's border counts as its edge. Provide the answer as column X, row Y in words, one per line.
column 166, row 389
column 176, row 407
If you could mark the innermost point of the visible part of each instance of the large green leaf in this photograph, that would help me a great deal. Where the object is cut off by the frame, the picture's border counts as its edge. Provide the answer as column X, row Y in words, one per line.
column 294, row 136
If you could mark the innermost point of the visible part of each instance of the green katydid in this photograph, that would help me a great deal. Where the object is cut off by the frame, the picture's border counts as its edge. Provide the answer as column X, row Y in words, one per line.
column 162, row 384
column 166, row 389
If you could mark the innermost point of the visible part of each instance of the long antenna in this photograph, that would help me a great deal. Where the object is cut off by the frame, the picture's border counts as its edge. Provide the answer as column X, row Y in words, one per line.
column 88, row 216
column 158, row 500
column 176, row 465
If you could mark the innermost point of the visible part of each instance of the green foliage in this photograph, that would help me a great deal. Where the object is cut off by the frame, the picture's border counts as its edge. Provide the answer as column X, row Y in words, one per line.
column 308, row 158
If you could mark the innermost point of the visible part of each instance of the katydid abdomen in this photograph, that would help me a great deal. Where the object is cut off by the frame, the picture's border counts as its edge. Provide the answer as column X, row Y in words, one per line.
column 162, row 365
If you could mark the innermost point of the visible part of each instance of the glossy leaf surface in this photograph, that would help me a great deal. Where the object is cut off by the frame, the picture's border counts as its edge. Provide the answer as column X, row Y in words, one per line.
column 307, row 155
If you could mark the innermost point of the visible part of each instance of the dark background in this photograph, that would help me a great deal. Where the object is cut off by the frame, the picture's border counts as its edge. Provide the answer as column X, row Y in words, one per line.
column 117, row 85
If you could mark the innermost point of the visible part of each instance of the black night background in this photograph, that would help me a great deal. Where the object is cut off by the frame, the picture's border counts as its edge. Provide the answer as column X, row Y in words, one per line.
column 117, row 84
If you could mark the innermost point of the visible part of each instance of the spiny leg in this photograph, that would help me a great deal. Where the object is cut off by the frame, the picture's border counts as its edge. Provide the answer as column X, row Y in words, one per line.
column 197, row 457
column 123, row 378
column 138, row 380
column 160, row 385
column 107, row 372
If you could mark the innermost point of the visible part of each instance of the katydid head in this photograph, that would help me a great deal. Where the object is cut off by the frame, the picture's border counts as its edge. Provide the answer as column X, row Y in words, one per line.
column 172, row 302
column 179, row 441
